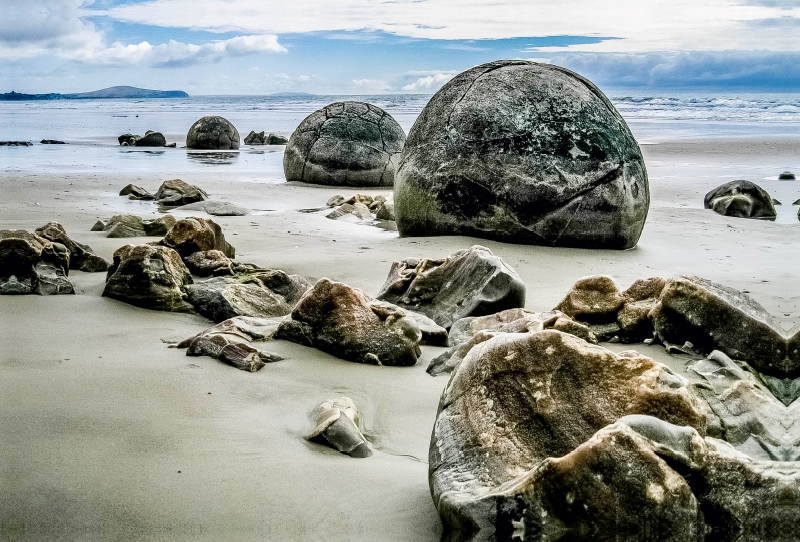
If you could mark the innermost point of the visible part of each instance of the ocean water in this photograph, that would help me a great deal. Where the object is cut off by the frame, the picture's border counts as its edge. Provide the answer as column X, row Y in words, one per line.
column 90, row 127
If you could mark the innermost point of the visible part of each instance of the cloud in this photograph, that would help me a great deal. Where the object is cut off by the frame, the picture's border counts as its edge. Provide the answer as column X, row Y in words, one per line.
column 725, row 70
column 655, row 25
column 429, row 83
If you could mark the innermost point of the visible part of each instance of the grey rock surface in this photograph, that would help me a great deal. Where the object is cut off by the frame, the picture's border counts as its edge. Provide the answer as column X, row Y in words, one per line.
column 212, row 133
column 742, row 199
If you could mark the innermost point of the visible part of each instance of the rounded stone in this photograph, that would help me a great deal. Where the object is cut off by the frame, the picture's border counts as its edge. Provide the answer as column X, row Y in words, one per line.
column 524, row 153
column 212, row 133
column 345, row 144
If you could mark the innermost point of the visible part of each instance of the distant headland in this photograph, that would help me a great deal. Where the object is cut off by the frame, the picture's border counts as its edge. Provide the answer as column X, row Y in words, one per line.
column 111, row 92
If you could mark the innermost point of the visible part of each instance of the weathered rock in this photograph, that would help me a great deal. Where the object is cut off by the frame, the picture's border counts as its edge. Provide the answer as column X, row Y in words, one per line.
column 31, row 264
column 470, row 282
column 337, row 424
column 335, row 201
column 122, row 226
column 190, row 235
column 361, row 211
column 212, row 133
column 593, row 299
column 216, row 208
column 385, row 211
column 52, row 142
column 209, row 262
column 342, row 210
column 274, row 139
column 148, row 276
column 432, row 333
column 255, row 138
column 238, row 329
column 525, row 153
column 634, row 316
column 786, row 176
column 98, row 226
column 345, row 322
column 136, row 192
column 345, row 144
column 151, row 139
column 742, row 199
column 16, row 144
column 81, row 257
column 175, row 193
column 241, row 355
column 128, row 140
column 715, row 317
column 266, row 293
column 519, row 400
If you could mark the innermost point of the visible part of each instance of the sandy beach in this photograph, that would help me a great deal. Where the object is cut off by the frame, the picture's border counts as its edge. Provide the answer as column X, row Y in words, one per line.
column 108, row 434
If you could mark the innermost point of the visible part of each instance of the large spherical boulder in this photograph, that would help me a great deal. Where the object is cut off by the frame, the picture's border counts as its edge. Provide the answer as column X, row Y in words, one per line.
column 345, row 144
column 525, row 153
column 212, row 133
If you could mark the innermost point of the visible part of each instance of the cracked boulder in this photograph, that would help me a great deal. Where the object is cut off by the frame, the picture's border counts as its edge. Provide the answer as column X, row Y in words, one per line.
column 515, row 449
column 346, row 323
column 190, row 235
column 31, row 264
column 264, row 293
column 524, row 153
column 81, row 257
column 345, row 144
column 742, row 199
column 212, row 133
column 470, row 282
column 148, row 276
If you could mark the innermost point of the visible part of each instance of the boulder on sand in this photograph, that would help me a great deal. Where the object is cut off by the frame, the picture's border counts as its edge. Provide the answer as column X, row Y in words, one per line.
column 524, row 153
column 470, row 282
column 336, row 424
column 190, row 235
column 136, row 192
column 151, row 139
column 345, row 144
column 742, row 199
column 255, row 138
column 148, row 276
column 120, row 226
column 32, row 264
column 81, row 257
column 175, row 193
column 345, row 322
column 212, row 133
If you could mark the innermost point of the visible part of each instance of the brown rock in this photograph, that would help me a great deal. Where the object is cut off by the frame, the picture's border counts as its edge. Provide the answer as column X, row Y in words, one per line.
column 136, row 192
column 81, row 257
column 593, row 299
column 190, row 235
column 175, row 192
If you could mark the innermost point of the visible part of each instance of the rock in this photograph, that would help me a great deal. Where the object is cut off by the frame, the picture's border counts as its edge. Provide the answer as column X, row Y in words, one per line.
column 122, row 226
column 136, row 192
column 715, row 317
column 345, row 322
column 634, row 316
column 128, row 140
column 148, row 276
column 175, row 193
column 212, row 133
column 518, row 401
column 365, row 199
column 151, row 139
column 593, row 299
column 15, row 144
column 254, row 138
column 81, row 257
column 336, row 424
column 241, row 355
column 385, row 211
column 524, row 153
column 463, row 329
column 208, row 262
column 274, row 139
column 470, row 282
column 31, row 264
column 335, row 201
column 432, row 333
column 239, row 328
column 51, row 142
column 264, row 294
column 776, row 202
column 741, row 199
column 345, row 144
column 361, row 211
column 216, row 208
column 786, row 176
column 343, row 210
column 190, row 235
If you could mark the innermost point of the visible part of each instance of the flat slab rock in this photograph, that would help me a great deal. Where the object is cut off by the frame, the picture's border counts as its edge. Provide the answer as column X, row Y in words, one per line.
column 470, row 282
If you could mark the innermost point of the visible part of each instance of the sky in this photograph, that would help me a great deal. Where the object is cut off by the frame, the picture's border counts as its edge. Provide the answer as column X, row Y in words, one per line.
column 255, row 47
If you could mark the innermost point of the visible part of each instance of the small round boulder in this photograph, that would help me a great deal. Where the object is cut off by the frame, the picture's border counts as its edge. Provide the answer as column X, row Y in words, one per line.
column 212, row 133
column 524, row 153
column 345, row 144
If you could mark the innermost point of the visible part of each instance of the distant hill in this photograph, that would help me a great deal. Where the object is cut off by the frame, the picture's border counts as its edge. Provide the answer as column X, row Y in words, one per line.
column 112, row 92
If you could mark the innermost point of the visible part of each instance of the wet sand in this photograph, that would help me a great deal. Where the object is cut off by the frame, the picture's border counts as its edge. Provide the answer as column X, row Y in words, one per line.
column 109, row 434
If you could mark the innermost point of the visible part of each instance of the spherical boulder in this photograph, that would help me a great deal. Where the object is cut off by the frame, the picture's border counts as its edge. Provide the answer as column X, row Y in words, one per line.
column 524, row 153
column 345, row 144
column 212, row 133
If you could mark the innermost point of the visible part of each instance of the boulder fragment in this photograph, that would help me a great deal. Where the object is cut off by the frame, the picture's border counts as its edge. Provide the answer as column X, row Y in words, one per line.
column 336, row 424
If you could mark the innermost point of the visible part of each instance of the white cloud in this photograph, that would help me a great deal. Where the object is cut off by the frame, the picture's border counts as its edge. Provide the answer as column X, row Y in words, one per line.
column 652, row 25
column 429, row 82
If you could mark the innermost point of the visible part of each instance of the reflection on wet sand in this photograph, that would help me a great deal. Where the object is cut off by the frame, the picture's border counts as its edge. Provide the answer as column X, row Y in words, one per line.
column 214, row 157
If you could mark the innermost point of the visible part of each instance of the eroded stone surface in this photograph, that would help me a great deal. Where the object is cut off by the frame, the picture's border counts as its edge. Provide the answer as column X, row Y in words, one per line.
column 525, row 153
column 81, row 257
column 743, row 199
column 122, row 226
column 176, row 193
column 345, row 144
column 336, row 423
column 31, row 264
column 190, row 235
column 469, row 282
column 212, row 133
